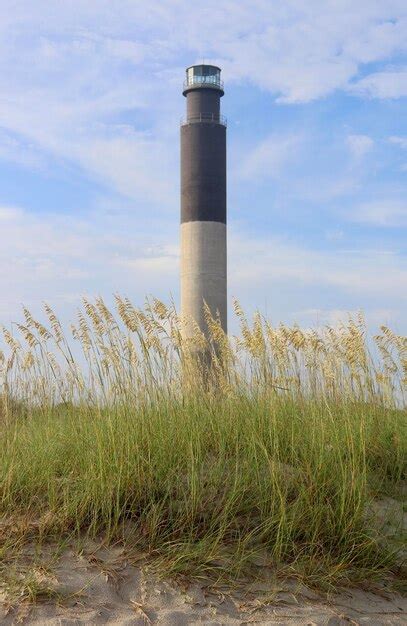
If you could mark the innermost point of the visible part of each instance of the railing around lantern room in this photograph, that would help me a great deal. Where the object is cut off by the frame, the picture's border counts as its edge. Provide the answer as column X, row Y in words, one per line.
column 208, row 118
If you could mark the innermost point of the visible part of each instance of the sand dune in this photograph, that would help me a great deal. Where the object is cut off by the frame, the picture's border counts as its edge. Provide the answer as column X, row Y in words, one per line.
column 100, row 586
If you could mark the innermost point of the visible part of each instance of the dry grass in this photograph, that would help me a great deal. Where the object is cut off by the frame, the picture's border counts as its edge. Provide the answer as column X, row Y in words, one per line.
column 275, row 451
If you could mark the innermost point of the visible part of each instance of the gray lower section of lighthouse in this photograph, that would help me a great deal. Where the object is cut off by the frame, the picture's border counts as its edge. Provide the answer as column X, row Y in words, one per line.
column 203, row 273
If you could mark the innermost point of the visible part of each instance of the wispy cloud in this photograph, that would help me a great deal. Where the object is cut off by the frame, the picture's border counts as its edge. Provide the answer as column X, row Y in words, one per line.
column 59, row 258
column 334, row 317
column 386, row 212
column 264, row 262
column 359, row 145
column 399, row 141
column 386, row 84
column 271, row 156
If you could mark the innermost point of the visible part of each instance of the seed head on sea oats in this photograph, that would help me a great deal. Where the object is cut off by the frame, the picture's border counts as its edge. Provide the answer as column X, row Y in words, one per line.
column 93, row 315
column 28, row 361
column 10, row 340
column 160, row 309
column 33, row 323
column 55, row 323
column 28, row 335
column 104, row 311
column 83, row 332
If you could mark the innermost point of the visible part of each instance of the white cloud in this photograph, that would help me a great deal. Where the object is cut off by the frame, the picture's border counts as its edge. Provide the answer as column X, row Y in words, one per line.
column 162, row 263
column 9, row 214
column 135, row 164
column 307, row 51
column 399, row 141
column 17, row 150
column 335, row 234
column 59, row 259
column 271, row 156
column 381, row 213
column 333, row 317
column 387, row 84
column 359, row 145
column 266, row 264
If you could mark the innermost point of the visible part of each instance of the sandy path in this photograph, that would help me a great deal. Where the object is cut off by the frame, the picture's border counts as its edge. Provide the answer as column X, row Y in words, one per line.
column 102, row 588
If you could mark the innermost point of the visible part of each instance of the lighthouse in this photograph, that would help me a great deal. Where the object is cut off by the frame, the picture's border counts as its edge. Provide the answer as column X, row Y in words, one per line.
column 203, row 199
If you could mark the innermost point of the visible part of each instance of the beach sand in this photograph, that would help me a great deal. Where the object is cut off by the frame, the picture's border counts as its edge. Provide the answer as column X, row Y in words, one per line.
column 99, row 585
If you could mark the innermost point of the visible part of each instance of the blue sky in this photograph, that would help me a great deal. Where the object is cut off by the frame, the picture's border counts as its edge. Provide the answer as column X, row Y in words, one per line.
column 317, row 152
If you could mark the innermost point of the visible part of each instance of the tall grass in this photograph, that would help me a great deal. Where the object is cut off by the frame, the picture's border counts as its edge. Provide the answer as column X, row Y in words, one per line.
column 274, row 452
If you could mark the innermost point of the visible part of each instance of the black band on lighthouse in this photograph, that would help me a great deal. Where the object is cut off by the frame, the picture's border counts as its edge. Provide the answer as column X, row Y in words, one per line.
column 203, row 172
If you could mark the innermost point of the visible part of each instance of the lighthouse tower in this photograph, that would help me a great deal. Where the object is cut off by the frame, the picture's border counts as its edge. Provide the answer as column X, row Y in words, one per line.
column 203, row 199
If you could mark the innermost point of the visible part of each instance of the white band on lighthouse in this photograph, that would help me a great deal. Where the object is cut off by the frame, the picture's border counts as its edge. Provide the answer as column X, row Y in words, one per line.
column 203, row 273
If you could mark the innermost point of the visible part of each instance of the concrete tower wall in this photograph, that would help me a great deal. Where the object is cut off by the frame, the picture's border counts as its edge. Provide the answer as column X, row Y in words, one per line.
column 203, row 272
